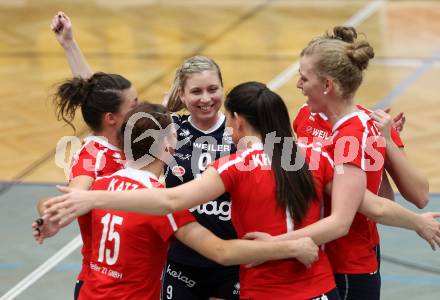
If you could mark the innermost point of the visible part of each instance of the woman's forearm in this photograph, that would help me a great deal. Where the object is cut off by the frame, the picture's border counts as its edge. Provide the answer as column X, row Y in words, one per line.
column 236, row 252
column 147, row 201
column 321, row 232
column 387, row 212
column 77, row 62
column 411, row 183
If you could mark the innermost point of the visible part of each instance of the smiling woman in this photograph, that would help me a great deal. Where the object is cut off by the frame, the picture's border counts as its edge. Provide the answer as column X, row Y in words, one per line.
column 198, row 88
column 202, row 96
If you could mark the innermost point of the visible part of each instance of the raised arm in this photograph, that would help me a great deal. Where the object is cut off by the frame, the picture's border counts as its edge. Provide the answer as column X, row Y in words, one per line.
column 209, row 186
column 235, row 252
column 413, row 186
column 62, row 27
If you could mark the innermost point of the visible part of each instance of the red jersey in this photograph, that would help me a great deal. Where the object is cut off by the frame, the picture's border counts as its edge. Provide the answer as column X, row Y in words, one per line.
column 315, row 127
column 354, row 253
column 129, row 249
column 248, row 178
column 95, row 158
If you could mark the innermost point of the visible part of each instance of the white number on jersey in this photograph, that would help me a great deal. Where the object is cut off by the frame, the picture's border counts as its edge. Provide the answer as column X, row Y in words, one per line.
column 169, row 292
column 205, row 159
column 112, row 235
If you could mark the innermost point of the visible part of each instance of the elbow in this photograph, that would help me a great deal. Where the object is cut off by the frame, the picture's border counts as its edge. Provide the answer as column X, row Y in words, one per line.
column 422, row 200
column 375, row 213
column 418, row 194
column 223, row 257
column 424, row 196
column 224, row 262
column 169, row 207
column 343, row 230
column 337, row 227
column 419, row 198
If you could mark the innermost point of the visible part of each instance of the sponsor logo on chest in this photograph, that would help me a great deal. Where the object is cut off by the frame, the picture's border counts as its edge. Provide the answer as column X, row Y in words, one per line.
column 322, row 134
column 220, row 209
column 178, row 171
column 212, row 147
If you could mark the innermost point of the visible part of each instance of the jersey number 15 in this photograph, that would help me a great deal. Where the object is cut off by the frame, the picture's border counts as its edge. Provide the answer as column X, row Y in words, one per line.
column 110, row 236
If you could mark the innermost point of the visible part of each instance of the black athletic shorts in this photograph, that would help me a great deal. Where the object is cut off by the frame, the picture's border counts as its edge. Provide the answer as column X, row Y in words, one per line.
column 78, row 286
column 358, row 286
column 191, row 283
column 331, row 295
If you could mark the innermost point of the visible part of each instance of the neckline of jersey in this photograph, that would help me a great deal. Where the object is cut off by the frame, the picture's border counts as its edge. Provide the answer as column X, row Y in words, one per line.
column 216, row 126
column 100, row 140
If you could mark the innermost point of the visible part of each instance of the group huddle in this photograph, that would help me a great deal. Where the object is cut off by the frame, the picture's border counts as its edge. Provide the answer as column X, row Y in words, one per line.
column 250, row 210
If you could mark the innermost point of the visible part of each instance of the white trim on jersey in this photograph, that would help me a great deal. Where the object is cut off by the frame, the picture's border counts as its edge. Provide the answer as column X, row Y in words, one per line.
column 345, row 118
column 172, row 222
column 323, row 153
column 322, row 115
column 75, row 157
column 289, row 221
column 361, row 108
column 363, row 117
column 99, row 156
column 142, row 176
column 101, row 141
column 221, row 119
column 256, row 146
column 326, row 155
column 315, row 147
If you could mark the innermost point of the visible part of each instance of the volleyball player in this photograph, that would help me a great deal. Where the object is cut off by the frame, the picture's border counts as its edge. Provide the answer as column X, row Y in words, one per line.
column 198, row 89
column 315, row 128
column 331, row 70
column 129, row 249
column 104, row 99
column 254, row 203
column 264, row 195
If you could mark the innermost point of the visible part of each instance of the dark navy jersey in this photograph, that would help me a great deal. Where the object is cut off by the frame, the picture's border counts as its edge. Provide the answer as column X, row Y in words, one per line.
column 195, row 151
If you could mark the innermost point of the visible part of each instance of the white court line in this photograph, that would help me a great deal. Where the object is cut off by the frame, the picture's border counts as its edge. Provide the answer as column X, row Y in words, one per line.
column 401, row 62
column 43, row 268
column 274, row 84
column 354, row 21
